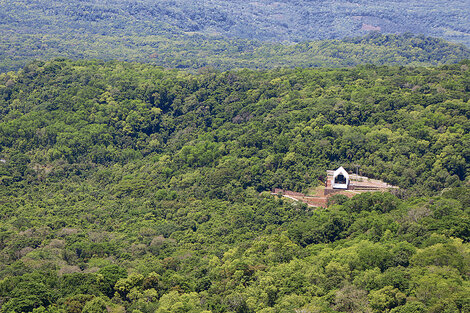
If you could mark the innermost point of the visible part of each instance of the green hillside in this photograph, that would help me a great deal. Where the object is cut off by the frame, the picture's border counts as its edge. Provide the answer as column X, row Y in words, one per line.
column 194, row 52
column 126, row 187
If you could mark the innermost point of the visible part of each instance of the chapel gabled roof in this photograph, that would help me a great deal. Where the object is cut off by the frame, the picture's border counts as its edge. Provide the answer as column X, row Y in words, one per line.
column 341, row 170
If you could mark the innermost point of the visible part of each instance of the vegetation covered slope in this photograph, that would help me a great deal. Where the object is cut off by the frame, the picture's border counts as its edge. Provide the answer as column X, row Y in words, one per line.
column 238, row 34
column 196, row 51
column 126, row 186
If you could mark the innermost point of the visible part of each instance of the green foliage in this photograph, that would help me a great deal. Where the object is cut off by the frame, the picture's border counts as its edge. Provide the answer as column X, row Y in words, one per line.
column 129, row 188
column 387, row 298
column 181, row 303
column 410, row 307
column 96, row 305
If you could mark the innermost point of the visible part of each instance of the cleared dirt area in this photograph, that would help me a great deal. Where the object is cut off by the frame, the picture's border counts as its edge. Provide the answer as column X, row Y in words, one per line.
column 319, row 196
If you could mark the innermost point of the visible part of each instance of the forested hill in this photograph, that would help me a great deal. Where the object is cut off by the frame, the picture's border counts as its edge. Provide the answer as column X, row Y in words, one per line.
column 235, row 34
column 127, row 187
column 408, row 126
column 196, row 51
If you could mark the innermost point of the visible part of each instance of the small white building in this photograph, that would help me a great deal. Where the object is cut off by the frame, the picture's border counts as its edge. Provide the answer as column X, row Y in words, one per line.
column 340, row 179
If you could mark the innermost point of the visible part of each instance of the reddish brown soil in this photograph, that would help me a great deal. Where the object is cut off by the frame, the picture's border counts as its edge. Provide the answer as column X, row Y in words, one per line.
column 319, row 198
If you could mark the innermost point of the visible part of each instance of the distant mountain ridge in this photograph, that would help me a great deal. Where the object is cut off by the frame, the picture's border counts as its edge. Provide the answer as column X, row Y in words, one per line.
column 266, row 20
column 264, row 34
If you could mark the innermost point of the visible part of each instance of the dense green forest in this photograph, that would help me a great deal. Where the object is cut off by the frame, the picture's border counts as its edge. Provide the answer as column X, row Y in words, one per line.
column 193, row 52
column 126, row 187
column 189, row 34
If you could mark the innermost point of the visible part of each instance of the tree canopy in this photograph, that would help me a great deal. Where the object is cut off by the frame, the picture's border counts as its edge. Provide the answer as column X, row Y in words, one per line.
column 126, row 186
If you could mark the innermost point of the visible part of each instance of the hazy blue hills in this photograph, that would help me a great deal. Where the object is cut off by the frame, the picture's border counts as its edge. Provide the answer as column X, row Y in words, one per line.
column 291, row 21
column 259, row 35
